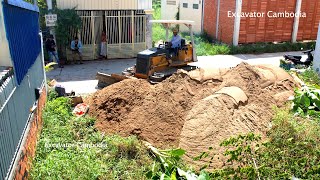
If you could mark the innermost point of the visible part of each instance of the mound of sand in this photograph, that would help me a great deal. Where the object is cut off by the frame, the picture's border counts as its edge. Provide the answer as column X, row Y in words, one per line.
column 155, row 113
column 244, row 104
column 193, row 110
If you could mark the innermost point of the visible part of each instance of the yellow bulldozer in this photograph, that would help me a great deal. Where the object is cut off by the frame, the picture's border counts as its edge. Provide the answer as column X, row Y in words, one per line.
column 158, row 63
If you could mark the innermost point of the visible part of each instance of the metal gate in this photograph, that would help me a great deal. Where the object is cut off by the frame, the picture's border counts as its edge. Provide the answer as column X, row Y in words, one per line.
column 125, row 30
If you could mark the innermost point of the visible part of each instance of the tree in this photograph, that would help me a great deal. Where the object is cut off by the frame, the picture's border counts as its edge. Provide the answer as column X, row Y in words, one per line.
column 68, row 20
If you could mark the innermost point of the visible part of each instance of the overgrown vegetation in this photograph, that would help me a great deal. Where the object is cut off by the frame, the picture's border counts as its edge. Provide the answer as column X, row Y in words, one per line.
column 158, row 32
column 307, row 99
column 310, row 77
column 291, row 149
column 64, row 152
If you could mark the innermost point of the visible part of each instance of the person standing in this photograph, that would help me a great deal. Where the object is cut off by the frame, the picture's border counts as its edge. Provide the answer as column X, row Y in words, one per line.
column 51, row 49
column 103, row 51
column 76, row 47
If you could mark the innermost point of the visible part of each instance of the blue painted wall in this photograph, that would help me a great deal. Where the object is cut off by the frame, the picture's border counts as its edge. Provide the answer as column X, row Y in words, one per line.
column 22, row 28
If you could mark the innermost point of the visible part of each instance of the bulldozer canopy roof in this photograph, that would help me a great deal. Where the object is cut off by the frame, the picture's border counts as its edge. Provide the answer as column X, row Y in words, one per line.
column 186, row 22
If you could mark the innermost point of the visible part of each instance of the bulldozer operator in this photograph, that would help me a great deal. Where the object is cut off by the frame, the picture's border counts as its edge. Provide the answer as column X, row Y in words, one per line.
column 174, row 44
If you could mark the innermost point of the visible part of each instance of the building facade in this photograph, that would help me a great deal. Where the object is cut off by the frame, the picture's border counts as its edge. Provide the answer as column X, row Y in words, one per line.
column 126, row 23
column 261, row 21
column 186, row 10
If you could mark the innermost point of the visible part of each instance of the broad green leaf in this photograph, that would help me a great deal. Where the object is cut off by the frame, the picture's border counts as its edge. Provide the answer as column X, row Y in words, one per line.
column 305, row 100
column 317, row 103
column 178, row 152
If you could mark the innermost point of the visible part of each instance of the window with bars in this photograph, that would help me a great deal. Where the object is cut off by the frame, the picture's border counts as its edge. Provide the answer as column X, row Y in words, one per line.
column 185, row 5
column 195, row 6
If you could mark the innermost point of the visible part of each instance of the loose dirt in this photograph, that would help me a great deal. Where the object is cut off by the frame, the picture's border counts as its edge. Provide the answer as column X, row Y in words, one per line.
column 194, row 110
column 155, row 113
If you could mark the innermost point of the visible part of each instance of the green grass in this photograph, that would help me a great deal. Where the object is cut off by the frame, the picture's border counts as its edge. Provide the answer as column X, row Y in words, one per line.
column 158, row 31
column 310, row 77
column 116, row 158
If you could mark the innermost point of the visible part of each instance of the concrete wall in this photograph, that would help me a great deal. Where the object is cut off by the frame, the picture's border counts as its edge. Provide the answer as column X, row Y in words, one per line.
column 169, row 9
column 5, row 58
column 192, row 14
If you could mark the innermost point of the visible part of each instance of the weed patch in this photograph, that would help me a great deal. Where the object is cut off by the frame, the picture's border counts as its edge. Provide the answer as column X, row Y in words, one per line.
column 71, row 148
column 310, row 77
column 291, row 149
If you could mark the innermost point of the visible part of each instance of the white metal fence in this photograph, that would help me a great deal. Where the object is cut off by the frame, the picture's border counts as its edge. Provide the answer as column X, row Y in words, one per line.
column 125, row 30
column 316, row 63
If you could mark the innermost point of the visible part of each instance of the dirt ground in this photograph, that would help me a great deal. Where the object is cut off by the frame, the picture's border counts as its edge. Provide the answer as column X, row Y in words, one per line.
column 193, row 110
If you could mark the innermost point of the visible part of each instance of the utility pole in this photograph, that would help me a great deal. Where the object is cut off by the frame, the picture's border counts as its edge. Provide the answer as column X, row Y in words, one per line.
column 316, row 61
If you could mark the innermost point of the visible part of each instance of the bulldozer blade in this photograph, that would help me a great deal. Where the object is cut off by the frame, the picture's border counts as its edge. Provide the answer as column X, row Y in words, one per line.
column 109, row 79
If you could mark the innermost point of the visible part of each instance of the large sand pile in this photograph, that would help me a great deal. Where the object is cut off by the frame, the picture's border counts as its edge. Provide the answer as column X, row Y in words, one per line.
column 155, row 113
column 243, row 104
column 194, row 110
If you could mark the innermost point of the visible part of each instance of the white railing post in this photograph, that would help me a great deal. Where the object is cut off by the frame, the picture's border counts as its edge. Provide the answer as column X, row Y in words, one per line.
column 316, row 61
column 237, row 21
column 296, row 22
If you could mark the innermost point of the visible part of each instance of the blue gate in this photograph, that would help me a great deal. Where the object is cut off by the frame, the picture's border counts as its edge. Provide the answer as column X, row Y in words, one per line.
column 22, row 27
